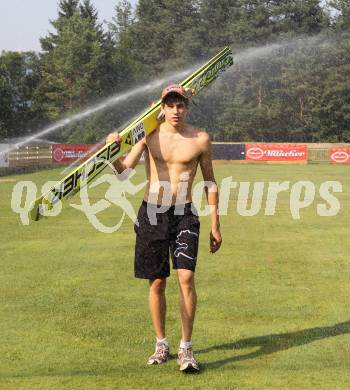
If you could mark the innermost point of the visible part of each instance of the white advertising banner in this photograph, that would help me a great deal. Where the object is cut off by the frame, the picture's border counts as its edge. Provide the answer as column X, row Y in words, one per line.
column 4, row 162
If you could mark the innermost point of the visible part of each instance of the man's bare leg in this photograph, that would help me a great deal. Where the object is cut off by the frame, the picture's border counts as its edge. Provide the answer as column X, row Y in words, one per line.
column 188, row 302
column 157, row 305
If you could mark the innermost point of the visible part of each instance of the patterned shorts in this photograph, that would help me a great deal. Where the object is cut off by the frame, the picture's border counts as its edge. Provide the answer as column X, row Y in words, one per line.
column 159, row 233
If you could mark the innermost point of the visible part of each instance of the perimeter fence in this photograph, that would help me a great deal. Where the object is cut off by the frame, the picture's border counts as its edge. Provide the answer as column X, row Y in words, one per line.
column 39, row 156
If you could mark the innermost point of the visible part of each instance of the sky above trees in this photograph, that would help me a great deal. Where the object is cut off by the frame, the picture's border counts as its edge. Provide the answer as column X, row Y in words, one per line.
column 22, row 23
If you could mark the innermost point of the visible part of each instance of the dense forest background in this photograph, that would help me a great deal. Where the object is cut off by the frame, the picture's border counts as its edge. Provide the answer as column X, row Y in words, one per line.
column 291, row 80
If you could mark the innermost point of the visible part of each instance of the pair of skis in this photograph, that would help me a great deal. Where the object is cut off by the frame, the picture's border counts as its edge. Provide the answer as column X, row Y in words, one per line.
column 132, row 134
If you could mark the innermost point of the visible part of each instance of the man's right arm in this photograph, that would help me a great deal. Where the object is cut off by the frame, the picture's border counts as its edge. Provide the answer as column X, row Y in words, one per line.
column 132, row 157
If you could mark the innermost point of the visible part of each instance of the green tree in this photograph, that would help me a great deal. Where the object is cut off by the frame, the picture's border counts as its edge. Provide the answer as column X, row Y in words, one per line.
column 164, row 35
column 6, row 100
column 70, row 66
column 332, row 107
column 67, row 8
column 299, row 16
column 19, row 77
column 342, row 7
column 126, row 68
column 219, row 22
column 121, row 20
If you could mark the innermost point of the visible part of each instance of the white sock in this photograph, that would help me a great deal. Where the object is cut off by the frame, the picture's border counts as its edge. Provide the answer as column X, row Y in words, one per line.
column 163, row 341
column 185, row 344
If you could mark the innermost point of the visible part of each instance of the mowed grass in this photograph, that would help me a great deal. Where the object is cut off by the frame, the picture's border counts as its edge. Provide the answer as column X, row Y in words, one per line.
column 273, row 303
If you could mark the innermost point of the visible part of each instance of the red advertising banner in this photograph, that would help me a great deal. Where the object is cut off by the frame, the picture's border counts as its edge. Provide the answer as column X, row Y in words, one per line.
column 66, row 153
column 339, row 155
column 276, row 152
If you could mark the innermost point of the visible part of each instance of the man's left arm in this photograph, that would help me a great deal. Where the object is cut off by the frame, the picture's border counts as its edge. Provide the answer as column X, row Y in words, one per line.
column 211, row 190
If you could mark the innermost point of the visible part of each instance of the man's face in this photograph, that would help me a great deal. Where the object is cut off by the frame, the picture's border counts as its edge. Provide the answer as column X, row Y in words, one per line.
column 175, row 112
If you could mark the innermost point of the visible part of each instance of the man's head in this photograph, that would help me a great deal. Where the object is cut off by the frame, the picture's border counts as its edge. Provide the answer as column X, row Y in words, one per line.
column 175, row 91
column 175, row 100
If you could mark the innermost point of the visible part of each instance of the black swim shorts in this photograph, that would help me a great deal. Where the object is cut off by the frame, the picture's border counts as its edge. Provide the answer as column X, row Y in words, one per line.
column 158, row 232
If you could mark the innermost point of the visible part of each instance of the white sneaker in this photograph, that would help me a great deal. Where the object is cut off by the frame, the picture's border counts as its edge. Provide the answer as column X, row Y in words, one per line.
column 161, row 354
column 186, row 360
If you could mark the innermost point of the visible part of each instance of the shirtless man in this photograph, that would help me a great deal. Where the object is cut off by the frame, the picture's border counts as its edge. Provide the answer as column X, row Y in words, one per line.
column 167, row 220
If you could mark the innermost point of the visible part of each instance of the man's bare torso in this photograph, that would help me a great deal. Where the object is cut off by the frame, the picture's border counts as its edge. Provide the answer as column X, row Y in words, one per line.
column 171, row 159
column 173, row 152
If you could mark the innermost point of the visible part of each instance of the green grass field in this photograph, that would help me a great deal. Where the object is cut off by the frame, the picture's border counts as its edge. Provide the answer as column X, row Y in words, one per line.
column 273, row 310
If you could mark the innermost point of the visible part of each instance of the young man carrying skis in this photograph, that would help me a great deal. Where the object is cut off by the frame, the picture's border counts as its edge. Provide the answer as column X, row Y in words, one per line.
column 167, row 219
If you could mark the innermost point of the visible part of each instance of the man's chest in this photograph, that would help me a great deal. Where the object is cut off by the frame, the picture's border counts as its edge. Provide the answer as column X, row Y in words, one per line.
column 173, row 150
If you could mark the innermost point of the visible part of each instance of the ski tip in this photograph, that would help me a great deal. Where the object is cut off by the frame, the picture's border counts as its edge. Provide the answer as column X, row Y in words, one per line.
column 34, row 212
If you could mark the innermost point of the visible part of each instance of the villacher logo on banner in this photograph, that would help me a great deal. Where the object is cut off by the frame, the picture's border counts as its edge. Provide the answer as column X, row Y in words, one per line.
column 339, row 155
column 276, row 152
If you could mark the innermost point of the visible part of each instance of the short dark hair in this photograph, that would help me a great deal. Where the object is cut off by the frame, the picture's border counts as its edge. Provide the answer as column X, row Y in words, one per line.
column 174, row 97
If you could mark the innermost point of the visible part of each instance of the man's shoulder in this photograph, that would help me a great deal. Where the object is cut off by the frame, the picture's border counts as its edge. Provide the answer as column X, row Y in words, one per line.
column 202, row 138
column 150, row 136
column 198, row 133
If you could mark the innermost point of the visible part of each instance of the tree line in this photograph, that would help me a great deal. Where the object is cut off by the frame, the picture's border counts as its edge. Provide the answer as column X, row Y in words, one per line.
column 290, row 82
